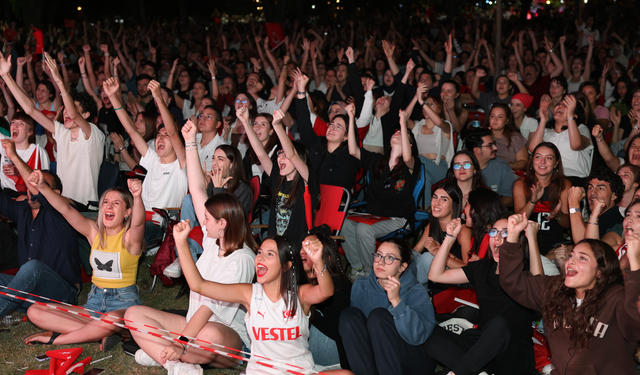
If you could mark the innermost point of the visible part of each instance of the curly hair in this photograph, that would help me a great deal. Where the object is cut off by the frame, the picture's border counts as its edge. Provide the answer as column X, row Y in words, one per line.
column 559, row 309
column 87, row 104
column 615, row 182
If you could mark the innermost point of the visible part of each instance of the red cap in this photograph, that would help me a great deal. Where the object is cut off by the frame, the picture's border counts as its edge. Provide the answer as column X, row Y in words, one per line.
column 526, row 99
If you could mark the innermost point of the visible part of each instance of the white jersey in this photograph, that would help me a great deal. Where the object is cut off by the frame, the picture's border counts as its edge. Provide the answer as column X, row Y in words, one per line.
column 40, row 161
column 277, row 335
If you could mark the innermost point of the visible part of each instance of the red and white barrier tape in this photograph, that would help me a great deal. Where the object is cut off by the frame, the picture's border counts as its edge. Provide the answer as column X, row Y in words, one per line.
column 278, row 365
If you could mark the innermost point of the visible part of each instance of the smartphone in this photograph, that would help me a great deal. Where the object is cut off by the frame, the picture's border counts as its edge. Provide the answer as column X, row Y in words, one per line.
column 94, row 371
column 42, row 357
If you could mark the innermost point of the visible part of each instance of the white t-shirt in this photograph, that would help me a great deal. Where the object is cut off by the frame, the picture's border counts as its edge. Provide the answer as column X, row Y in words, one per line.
column 236, row 268
column 41, row 162
column 79, row 162
column 206, row 152
column 165, row 184
column 268, row 106
column 595, row 34
column 187, row 110
column 374, row 135
column 575, row 163
column 529, row 126
column 277, row 335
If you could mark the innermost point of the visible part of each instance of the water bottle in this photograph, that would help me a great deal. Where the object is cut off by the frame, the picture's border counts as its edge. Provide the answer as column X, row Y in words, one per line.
column 9, row 320
column 476, row 122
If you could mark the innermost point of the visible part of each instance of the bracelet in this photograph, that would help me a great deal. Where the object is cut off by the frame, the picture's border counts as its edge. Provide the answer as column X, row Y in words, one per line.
column 121, row 148
column 63, row 95
column 321, row 272
column 84, row 75
column 106, row 54
column 532, row 202
column 63, row 64
column 599, row 140
column 591, row 222
column 119, row 108
column 189, row 143
column 449, row 235
column 117, row 152
column 302, row 93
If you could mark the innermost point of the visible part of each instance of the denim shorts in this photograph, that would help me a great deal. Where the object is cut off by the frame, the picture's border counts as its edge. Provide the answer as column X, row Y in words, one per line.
column 110, row 299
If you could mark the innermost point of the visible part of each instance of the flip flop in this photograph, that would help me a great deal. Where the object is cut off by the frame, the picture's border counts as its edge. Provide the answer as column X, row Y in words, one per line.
column 109, row 342
column 52, row 337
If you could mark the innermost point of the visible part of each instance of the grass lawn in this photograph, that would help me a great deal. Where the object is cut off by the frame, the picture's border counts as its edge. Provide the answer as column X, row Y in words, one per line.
column 16, row 357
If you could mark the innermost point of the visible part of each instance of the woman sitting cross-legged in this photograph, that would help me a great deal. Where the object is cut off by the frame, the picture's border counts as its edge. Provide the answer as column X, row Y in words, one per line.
column 116, row 240
column 229, row 250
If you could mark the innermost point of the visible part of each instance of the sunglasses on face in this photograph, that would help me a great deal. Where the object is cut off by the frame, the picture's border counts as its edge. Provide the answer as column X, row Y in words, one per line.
column 458, row 166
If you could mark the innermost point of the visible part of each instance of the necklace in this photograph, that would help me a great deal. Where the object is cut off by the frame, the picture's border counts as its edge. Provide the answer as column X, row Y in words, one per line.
column 74, row 139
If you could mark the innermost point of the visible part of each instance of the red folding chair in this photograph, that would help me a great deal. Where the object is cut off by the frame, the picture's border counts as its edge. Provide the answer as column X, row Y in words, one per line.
column 332, row 212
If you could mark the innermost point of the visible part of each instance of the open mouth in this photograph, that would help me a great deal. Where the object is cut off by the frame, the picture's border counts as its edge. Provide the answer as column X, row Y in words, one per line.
column 261, row 270
column 282, row 166
column 571, row 272
column 14, row 134
column 628, row 231
column 109, row 216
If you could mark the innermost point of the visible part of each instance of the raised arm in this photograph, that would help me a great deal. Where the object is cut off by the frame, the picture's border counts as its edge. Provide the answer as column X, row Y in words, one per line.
column 272, row 59
column 438, row 272
column 313, row 294
column 258, row 148
column 24, row 170
column 11, row 107
column 197, row 184
column 610, row 159
column 215, row 91
column 289, row 151
column 172, row 73
column 388, row 51
column 577, row 141
column 111, row 86
column 169, row 123
column 559, row 66
column 87, row 84
column 89, row 70
column 354, row 149
column 575, row 196
column 85, row 226
column 135, row 234
column 513, row 77
column 538, row 135
column 123, row 59
column 407, row 156
column 535, row 262
column 68, row 100
column 563, row 54
column 21, row 97
column 586, row 75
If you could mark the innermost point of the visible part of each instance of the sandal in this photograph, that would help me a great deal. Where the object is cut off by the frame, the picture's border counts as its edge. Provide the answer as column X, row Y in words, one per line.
column 52, row 337
column 109, row 342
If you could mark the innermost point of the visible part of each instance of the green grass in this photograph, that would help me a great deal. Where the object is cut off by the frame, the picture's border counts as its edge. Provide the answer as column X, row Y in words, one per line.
column 15, row 355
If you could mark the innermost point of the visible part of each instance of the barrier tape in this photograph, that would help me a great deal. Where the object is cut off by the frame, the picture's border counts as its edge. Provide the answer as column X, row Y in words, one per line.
column 278, row 365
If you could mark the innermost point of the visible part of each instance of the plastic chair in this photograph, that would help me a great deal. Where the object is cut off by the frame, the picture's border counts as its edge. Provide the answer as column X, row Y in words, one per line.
column 330, row 211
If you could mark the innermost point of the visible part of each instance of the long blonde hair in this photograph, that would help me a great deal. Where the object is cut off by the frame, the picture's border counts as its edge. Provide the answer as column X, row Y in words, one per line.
column 102, row 232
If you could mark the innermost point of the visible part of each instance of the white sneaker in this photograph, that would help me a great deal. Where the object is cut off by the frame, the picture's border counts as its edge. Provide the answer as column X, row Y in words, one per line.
column 173, row 270
column 183, row 368
column 143, row 359
column 355, row 275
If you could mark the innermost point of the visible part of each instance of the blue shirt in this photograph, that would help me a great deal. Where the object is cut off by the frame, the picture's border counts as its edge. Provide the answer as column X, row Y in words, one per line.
column 48, row 237
column 499, row 177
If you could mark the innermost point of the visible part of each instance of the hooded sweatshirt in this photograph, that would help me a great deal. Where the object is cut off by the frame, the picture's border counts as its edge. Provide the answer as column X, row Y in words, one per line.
column 413, row 316
column 616, row 324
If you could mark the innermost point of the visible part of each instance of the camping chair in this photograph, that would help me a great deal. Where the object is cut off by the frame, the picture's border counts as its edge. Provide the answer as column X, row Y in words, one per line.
column 412, row 227
column 330, row 211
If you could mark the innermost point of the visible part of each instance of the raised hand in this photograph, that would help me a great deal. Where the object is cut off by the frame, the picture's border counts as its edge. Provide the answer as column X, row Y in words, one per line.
column 482, row 73
column 181, row 230
column 86, row 48
column 388, row 49
column 211, row 64
column 453, row 228
column 154, row 87
column 516, row 224
column 350, row 110
column 537, row 191
column 21, row 61
column 314, row 248
column 173, row 67
column 189, row 131
column 9, row 147
column 404, row 116
column 597, row 133
column 135, row 187
column 53, row 67
column 570, row 102
column 81, row 63
column 36, row 179
column 544, row 110
column 5, row 64
column 410, row 65
column 513, row 77
column 278, row 115
column 532, row 230
column 104, row 48
column 256, row 64
column 575, row 195
column 615, row 116
column 370, row 84
column 111, row 86
column 350, row 55
column 562, row 39
column 448, row 45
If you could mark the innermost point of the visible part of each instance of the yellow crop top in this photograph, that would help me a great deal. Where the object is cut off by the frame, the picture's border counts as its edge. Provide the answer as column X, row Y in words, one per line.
column 113, row 267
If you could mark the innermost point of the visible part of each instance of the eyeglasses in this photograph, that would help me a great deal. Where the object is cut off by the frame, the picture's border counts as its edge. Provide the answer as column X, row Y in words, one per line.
column 494, row 232
column 490, row 145
column 243, row 101
column 388, row 259
column 335, row 126
column 207, row 117
column 458, row 166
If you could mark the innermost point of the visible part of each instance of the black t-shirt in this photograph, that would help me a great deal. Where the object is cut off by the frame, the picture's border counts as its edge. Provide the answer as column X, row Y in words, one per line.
column 495, row 302
column 608, row 219
column 290, row 222
column 385, row 197
column 109, row 117
column 327, row 314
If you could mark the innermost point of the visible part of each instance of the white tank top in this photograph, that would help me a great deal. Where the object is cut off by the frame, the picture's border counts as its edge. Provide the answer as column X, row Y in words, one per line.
column 277, row 336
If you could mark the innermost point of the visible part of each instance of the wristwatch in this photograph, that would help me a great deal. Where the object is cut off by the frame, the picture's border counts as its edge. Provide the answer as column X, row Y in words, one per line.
column 574, row 210
column 185, row 346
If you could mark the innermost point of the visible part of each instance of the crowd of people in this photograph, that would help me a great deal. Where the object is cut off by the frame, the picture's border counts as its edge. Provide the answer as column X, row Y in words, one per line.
column 529, row 171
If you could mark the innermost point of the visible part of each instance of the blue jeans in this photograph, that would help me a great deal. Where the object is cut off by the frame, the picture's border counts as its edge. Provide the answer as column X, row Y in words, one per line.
column 188, row 212
column 111, row 299
column 37, row 278
column 422, row 263
column 325, row 350
column 433, row 173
